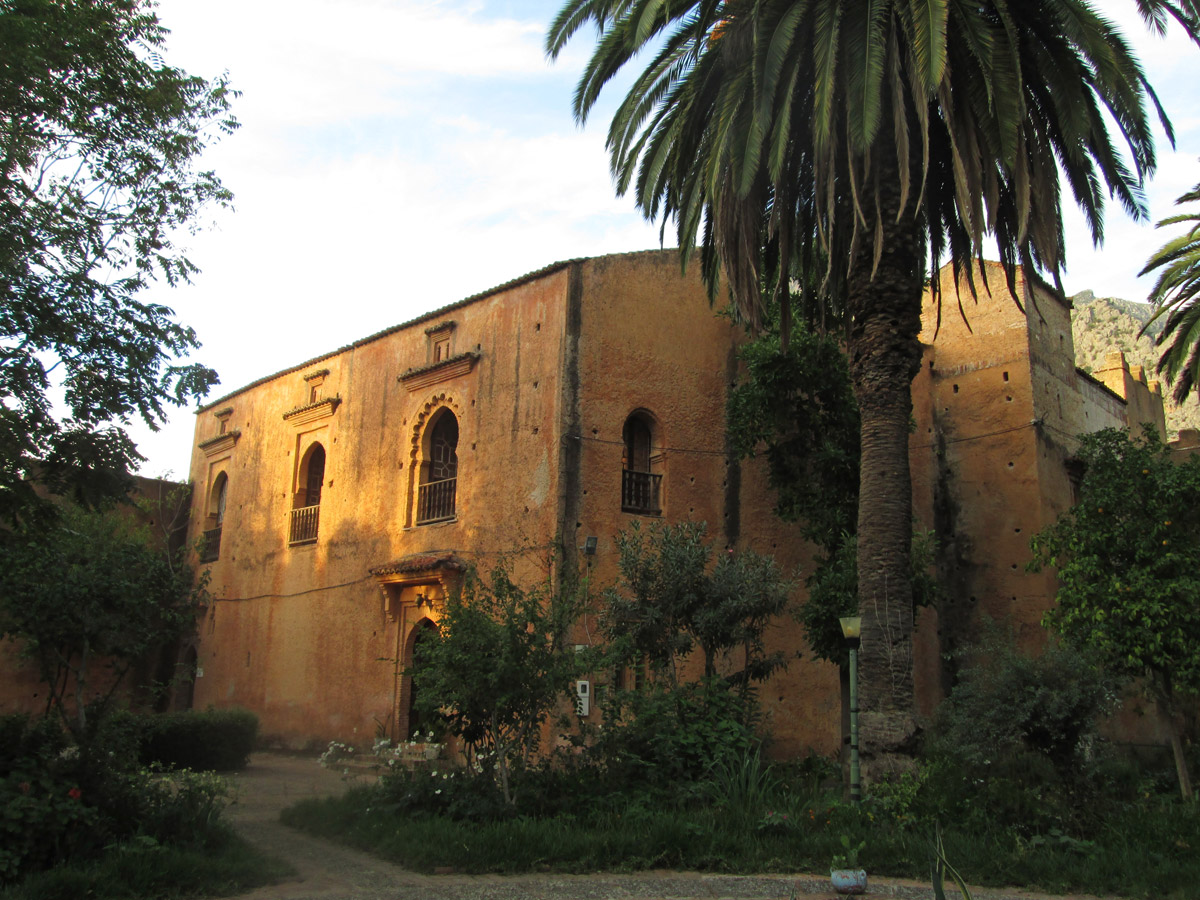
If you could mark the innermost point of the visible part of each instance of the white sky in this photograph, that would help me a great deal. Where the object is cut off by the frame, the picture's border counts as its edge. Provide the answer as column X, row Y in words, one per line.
column 398, row 155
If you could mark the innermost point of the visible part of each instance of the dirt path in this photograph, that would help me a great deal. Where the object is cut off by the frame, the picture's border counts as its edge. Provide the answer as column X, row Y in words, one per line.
column 328, row 871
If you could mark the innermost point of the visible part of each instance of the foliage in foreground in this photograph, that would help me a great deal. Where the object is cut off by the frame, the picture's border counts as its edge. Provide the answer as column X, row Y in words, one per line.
column 1146, row 849
column 1128, row 561
column 82, row 806
column 495, row 669
column 225, row 866
column 673, row 600
column 217, row 740
column 1175, row 294
column 1014, row 775
column 500, row 665
column 89, row 598
column 99, row 138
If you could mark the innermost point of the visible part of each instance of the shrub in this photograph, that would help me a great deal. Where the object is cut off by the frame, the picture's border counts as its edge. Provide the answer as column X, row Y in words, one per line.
column 44, row 814
column 1007, row 702
column 667, row 737
column 455, row 793
column 63, row 803
column 1009, row 745
column 214, row 740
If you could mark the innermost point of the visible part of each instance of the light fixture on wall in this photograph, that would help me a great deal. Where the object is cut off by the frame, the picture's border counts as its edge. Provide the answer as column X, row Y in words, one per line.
column 589, row 545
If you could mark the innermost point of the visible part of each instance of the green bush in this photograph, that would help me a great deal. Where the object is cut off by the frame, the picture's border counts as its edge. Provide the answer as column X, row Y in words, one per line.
column 45, row 817
column 64, row 803
column 1012, row 746
column 668, row 737
column 214, row 740
column 455, row 793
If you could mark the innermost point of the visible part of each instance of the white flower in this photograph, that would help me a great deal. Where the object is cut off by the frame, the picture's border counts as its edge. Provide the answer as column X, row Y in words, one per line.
column 438, row 791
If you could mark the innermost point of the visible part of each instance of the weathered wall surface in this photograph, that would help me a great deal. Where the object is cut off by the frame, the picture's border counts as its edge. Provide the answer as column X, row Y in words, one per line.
column 998, row 406
column 309, row 638
column 304, row 634
column 542, row 376
column 650, row 344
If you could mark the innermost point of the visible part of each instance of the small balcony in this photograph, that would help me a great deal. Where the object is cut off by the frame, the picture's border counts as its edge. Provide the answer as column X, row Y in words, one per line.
column 210, row 546
column 435, row 501
column 640, row 493
column 304, row 525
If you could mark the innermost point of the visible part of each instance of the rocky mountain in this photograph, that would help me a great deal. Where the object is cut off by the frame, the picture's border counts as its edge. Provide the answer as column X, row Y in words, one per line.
column 1103, row 324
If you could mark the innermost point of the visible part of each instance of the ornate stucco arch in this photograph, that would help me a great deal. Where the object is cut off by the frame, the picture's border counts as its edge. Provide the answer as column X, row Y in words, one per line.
column 418, row 449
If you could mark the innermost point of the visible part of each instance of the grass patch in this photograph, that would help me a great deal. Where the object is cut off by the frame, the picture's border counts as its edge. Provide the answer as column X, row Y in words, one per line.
column 148, row 871
column 1141, row 851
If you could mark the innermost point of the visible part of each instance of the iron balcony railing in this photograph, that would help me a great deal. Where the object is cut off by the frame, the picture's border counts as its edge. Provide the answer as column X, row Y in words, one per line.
column 304, row 524
column 211, row 548
column 640, row 492
column 435, row 501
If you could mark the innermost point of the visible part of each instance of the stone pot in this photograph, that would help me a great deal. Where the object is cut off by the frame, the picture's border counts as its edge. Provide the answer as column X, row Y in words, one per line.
column 849, row 881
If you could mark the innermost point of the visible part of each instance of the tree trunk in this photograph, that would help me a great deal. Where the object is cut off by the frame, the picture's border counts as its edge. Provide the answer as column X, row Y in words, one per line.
column 884, row 357
column 1165, row 701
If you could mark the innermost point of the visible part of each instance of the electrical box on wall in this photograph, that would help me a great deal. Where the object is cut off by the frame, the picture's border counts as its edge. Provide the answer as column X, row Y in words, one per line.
column 583, row 697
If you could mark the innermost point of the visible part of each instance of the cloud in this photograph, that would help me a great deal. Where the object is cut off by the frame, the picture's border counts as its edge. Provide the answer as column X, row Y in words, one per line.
column 398, row 156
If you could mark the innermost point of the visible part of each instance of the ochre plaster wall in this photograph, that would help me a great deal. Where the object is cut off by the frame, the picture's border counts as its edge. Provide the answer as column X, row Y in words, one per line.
column 650, row 342
column 311, row 636
column 305, row 635
column 309, row 639
column 998, row 406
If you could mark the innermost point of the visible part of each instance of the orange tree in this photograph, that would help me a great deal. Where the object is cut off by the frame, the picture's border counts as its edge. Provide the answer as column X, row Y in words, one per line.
column 1128, row 560
column 854, row 144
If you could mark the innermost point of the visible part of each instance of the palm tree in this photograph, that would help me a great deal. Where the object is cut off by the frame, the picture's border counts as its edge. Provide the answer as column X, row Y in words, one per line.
column 854, row 143
column 1175, row 294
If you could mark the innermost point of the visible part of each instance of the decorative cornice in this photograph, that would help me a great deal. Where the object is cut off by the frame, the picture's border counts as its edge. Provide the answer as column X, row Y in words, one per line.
column 224, row 413
column 423, row 376
column 448, row 325
column 421, row 564
column 310, row 412
column 319, row 373
column 221, row 442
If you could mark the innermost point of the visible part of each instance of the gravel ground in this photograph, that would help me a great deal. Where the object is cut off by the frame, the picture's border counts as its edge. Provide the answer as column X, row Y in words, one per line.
column 327, row 871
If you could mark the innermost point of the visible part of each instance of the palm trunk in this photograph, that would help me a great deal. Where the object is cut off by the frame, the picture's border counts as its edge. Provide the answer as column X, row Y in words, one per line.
column 884, row 357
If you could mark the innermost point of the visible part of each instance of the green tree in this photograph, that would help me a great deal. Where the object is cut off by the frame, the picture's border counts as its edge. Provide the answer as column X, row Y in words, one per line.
column 91, row 594
column 851, row 145
column 99, row 140
column 1175, row 294
column 497, row 667
column 796, row 404
column 1128, row 561
column 673, row 599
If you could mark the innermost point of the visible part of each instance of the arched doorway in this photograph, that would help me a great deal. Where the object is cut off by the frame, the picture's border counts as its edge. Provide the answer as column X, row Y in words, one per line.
column 424, row 632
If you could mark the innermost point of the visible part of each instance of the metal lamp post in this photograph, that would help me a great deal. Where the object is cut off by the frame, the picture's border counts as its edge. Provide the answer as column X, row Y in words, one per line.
column 852, row 632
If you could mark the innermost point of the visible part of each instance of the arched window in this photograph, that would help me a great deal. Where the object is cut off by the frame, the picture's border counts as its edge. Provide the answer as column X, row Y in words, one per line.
column 438, row 487
column 306, row 504
column 211, row 549
column 641, row 476
column 222, row 496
